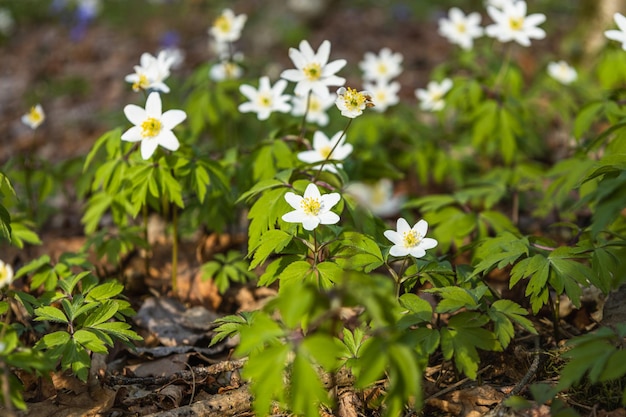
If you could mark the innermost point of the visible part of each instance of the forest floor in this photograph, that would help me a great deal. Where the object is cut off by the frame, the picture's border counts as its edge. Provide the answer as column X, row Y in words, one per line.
column 80, row 84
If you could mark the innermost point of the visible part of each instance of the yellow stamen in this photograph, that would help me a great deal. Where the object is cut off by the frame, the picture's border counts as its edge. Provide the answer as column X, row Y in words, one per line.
column 382, row 68
column 265, row 100
column 150, row 127
column 355, row 100
column 325, row 152
column 142, row 83
column 461, row 28
column 223, row 24
column 411, row 238
column 311, row 206
column 312, row 71
column 516, row 23
column 34, row 115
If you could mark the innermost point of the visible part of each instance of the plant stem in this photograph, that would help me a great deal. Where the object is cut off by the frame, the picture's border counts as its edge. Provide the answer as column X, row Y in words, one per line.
column 6, row 393
column 146, row 258
column 333, row 149
column 504, row 68
column 174, row 248
column 306, row 112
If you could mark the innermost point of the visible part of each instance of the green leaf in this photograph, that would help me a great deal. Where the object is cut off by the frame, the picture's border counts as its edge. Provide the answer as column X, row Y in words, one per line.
column 52, row 340
column 90, row 341
column 272, row 241
column 499, row 252
column 585, row 118
column 48, row 313
column 455, row 298
column 417, row 310
column 297, row 272
column 356, row 251
column 307, row 392
column 461, row 339
column 105, row 291
column 265, row 370
column 230, row 325
column 118, row 330
column 329, row 274
column 258, row 188
column 503, row 313
column 106, row 311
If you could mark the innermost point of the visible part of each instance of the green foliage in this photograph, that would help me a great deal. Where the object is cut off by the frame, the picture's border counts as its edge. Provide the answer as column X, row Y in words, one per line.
column 89, row 314
column 598, row 356
column 227, row 268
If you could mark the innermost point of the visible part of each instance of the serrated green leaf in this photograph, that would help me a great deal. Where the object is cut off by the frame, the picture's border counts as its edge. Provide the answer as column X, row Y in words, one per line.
column 52, row 340
column 48, row 313
column 307, row 393
column 105, row 312
column 272, row 241
column 90, row 341
column 266, row 371
column 105, row 291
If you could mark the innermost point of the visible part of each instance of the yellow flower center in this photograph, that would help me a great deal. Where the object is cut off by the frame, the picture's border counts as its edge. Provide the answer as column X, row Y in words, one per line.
column 313, row 71
column 314, row 105
column 516, row 23
column 4, row 273
column 265, row 100
column 461, row 27
column 311, row 206
column 230, row 69
column 382, row 68
column 354, row 99
column 325, row 152
column 150, row 127
column 411, row 238
column 223, row 24
column 379, row 196
column 142, row 83
column 34, row 115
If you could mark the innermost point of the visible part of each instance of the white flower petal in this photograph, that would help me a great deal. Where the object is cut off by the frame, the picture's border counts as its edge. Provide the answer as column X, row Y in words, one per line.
column 148, row 146
column 293, row 200
column 153, row 105
column 168, row 140
column 135, row 114
column 133, row 134
column 172, row 118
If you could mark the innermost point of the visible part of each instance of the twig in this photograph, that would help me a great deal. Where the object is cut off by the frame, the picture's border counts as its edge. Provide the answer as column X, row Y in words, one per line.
column 197, row 372
column 455, row 385
column 532, row 370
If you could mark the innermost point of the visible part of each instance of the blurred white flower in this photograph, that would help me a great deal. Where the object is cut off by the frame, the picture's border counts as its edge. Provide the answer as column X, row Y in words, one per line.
column 6, row 274
column 151, row 126
column 352, row 102
column 618, row 35
column 317, row 107
column 227, row 27
column 34, row 117
column 500, row 4
column 384, row 94
column 225, row 70
column 313, row 71
column 431, row 98
column 461, row 29
column 409, row 240
column 6, row 21
column 312, row 209
column 152, row 72
column 384, row 66
column 266, row 99
column 512, row 24
column 562, row 72
column 327, row 151
column 379, row 197
column 174, row 56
